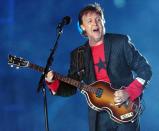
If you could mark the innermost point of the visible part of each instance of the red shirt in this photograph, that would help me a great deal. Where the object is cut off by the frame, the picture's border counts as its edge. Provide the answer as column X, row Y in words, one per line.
column 99, row 61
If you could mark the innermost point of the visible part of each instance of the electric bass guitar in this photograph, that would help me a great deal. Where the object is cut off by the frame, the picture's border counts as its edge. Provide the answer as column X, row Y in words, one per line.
column 99, row 95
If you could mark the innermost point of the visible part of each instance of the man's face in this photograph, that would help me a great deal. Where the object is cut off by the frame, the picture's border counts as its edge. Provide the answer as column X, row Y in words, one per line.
column 93, row 25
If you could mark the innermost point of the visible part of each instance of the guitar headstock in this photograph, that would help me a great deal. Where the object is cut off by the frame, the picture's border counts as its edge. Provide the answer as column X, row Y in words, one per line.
column 17, row 61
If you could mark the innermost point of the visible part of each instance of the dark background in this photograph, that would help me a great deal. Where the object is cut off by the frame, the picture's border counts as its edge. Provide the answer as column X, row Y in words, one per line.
column 27, row 29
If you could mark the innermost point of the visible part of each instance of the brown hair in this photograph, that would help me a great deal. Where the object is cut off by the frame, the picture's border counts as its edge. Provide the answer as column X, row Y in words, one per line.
column 90, row 8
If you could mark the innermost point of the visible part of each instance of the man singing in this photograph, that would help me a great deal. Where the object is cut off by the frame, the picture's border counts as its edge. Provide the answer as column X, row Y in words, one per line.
column 111, row 58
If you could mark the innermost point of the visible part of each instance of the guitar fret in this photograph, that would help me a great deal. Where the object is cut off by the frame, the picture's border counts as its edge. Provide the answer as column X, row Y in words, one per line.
column 66, row 79
column 73, row 82
column 36, row 67
column 89, row 88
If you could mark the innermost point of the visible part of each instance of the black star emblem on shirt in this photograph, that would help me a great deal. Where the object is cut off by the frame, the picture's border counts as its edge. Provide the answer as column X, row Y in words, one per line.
column 101, row 65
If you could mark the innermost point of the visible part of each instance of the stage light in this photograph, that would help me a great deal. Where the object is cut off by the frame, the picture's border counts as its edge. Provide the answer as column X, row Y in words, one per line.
column 120, row 3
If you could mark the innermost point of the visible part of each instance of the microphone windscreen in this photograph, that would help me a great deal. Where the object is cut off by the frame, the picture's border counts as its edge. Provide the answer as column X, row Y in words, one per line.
column 66, row 20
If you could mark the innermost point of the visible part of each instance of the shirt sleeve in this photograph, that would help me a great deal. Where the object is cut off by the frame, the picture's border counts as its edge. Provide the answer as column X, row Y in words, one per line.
column 53, row 86
column 135, row 88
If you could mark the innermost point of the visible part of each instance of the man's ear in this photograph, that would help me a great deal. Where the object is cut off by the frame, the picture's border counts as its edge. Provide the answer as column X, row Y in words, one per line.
column 82, row 27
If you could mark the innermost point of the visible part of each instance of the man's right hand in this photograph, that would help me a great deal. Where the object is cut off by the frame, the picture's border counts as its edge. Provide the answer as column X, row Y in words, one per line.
column 52, row 84
column 49, row 76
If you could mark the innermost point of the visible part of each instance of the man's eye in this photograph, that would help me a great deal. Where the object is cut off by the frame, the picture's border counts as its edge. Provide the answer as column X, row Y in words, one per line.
column 98, row 19
column 89, row 21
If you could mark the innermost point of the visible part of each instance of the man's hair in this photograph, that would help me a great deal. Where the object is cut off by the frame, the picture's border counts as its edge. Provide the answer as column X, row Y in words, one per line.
column 90, row 8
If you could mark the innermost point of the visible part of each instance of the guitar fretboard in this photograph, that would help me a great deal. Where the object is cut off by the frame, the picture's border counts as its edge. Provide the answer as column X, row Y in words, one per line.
column 66, row 79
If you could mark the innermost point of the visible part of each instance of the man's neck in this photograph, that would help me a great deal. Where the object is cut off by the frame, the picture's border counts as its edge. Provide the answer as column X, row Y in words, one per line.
column 93, row 43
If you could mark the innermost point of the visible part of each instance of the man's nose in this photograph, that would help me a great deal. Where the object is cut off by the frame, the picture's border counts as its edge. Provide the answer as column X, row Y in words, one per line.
column 95, row 22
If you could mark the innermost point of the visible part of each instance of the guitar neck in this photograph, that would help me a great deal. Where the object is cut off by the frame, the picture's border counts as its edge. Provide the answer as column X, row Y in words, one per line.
column 36, row 67
column 65, row 79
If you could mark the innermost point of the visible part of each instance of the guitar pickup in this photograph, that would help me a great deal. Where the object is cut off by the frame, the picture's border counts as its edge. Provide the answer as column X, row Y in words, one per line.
column 99, row 92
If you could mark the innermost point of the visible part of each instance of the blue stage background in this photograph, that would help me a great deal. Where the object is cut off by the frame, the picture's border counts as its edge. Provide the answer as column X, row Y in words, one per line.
column 27, row 29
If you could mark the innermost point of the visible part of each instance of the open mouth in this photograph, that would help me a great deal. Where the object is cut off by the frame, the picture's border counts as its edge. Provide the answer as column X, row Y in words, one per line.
column 96, row 30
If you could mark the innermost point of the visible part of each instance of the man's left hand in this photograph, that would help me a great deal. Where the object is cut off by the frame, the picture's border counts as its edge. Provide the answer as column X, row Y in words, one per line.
column 120, row 97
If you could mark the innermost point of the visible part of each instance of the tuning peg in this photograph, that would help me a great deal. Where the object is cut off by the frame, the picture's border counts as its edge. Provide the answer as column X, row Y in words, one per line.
column 17, row 67
column 11, row 65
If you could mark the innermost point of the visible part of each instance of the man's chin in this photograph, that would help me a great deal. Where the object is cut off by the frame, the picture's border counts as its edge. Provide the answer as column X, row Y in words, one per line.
column 97, row 39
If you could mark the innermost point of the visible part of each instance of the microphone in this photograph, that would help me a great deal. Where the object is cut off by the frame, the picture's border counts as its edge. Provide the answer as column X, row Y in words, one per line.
column 65, row 21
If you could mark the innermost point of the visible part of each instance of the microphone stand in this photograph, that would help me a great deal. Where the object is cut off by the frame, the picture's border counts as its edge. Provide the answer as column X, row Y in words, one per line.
column 41, row 85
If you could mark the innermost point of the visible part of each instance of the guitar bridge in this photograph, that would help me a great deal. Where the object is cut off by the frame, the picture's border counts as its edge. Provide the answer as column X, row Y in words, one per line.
column 99, row 92
column 128, row 115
